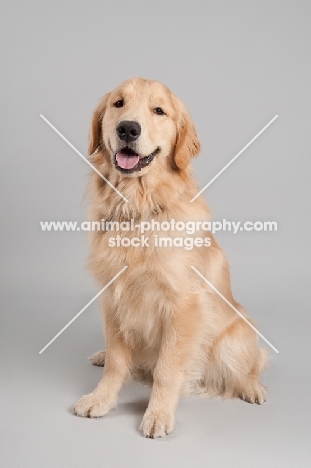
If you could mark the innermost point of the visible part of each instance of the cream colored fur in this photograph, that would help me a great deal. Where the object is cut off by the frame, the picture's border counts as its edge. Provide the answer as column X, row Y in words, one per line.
column 162, row 323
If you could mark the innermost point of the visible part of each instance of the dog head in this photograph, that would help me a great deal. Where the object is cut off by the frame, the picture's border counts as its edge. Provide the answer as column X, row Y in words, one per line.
column 142, row 124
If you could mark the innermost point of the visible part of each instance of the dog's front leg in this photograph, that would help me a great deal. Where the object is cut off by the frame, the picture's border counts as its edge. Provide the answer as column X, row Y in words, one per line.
column 116, row 371
column 176, row 347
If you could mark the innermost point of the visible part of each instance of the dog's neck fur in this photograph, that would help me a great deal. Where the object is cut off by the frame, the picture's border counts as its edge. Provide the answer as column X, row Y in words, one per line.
column 149, row 195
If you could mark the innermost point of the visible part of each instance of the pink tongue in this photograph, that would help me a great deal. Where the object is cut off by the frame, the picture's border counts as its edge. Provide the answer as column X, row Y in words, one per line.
column 125, row 161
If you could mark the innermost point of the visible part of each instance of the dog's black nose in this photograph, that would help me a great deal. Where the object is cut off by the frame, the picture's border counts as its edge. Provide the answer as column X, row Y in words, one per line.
column 128, row 130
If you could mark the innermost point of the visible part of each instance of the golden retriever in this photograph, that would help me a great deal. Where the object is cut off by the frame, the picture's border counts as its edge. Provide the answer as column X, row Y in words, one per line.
column 162, row 323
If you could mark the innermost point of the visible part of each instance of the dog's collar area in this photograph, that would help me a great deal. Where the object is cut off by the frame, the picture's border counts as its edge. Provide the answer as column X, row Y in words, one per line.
column 127, row 161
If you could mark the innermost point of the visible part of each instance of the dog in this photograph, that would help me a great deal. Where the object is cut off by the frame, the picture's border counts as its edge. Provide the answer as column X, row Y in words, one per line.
column 162, row 323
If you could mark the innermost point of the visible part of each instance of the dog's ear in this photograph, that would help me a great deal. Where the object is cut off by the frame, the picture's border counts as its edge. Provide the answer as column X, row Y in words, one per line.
column 187, row 143
column 95, row 135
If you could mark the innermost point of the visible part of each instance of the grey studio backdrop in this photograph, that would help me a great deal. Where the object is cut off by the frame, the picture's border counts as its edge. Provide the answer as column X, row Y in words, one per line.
column 235, row 65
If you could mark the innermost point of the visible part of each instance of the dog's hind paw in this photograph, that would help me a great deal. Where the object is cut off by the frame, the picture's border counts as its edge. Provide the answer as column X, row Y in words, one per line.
column 98, row 359
column 254, row 392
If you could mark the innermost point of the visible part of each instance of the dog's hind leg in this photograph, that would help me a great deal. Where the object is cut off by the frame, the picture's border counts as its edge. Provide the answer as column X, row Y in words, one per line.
column 240, row 360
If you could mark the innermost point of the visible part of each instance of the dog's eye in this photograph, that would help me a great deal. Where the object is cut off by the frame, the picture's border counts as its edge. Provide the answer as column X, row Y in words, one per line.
column 119, row 103
column 158, row 111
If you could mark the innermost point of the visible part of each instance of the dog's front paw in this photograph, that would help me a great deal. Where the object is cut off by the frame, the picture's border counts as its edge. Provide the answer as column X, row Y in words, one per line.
column 157, row 424
column 91, row 406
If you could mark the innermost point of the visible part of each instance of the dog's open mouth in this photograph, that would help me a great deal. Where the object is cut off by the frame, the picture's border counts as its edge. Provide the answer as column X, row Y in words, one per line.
column 127, row 161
